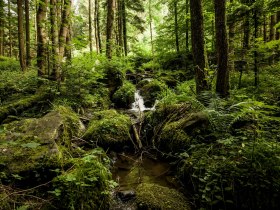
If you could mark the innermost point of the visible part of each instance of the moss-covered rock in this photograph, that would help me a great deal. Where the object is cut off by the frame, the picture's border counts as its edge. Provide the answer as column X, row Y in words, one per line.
column 87, row 185
column 32, row 144
column 109, row 129
column 156, row 197
column 151, row 90
column 124, row 96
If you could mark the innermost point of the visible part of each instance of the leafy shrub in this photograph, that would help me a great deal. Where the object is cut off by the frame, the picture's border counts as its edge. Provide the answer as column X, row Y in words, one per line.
column 109, row 129
column 9, row 64
column 124, row 96
column 86, row 185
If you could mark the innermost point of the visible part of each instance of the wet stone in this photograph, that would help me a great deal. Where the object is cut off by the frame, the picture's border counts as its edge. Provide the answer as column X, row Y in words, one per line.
column 126, row 195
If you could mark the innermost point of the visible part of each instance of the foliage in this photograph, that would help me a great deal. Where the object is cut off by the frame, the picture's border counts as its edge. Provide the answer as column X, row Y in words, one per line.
column 124, row 96
column 86, row 185
column 9, row 64
column 109, row 129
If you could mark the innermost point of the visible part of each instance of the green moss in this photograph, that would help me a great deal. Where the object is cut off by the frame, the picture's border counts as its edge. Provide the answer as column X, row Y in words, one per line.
column 109, row 129
column 86, row 185
column 30, row 144
column 156, row 197
column 124, row 96
column 151, row 91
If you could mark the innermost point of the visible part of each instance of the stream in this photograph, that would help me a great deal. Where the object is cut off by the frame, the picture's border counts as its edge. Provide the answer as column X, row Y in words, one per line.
column 131, row 170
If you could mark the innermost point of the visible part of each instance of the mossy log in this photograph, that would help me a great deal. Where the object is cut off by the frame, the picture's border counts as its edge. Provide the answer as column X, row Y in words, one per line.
column 22, row 104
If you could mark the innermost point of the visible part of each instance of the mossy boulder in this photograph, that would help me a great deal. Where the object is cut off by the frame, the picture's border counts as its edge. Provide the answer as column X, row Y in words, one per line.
column 109, row 129
column 151, row 91
column 34, row 144
column 156, row 197
column 124, row 96
column 87, row 185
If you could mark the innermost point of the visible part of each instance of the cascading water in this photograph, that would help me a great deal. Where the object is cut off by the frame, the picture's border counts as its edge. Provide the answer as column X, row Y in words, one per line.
column 139, row 104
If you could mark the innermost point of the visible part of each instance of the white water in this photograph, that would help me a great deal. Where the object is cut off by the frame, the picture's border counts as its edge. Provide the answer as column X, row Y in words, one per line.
column 139, row 105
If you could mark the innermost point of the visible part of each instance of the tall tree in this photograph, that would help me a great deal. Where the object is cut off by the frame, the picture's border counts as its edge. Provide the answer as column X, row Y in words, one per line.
column 175, row 2
column 42, row 37
column 187, row 25
column 272, row 29
column 124, row 27
column 2, row 27
column 198, row 48
column 21, row 35
column 222, row 85
column 231, row 26
column 27, row 33
column 64, row 27
column 10, row 28
column 109, row 28
column 54, row 40
column 97, row 27
column 90, row 25
column 278, row 29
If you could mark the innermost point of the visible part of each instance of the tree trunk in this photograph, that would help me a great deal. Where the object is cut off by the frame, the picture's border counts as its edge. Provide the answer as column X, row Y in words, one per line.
column 95, row 27
column 231, row 43
column 264, row 28
column 10, row 29
column 187, row 25
column 272, row 29
column 246, row 32
column 42, row 38
column 64, row 27
column 278, row 29
column 1, row 27
column 198, row 48
column 98, row 31
column 124, row 28
column 27, row 33
column 54, row 40
column 222, row 84
column 151, row 28
column 256, row 70
column 176, row 26
column 21, row 36
column 90, row 26
column 109, row 28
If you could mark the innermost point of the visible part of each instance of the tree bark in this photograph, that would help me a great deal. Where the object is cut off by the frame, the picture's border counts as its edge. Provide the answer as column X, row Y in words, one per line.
column 278, row 29
column 21, row 36
column 246, row 31
column 1, row 27
column 272, row 29
column 42, row 38
column 109, row 28
column 90, row 25
column 98, row 31
column 256, row 70
column 198, row 48
column 124, row 26
column 222, row 84
column 27, row 33
column 54, row 40
column 264, row 28
column 231, row 26
column 176, row 26
column 10, row 29
column 187, row 25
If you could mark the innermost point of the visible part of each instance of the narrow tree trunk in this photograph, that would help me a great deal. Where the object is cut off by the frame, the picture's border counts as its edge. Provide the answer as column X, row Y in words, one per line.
column 42, row 38
column 272, row 29
column 231, row 43
column 256, row 70
column 10, row 29
column 27, row 33
column 54, row 40
column 176, row 26
column 120, row 27
column 21, row 36
column 222, row 84
column 90, row 26
column 187, row 25
column 95, row 27
column 151, row 28
column 198, row 48
column 98, row 26
column 124, row 28
column 278, row 29
column 246, row 32
column 109, row 28
column 65, row 21
column 1, row 27
column 264, row 28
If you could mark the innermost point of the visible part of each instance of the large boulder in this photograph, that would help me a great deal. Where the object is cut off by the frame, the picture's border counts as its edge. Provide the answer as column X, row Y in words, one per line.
column 154, row 196
column 36, row 145
column 109, row 129
column 124, row 96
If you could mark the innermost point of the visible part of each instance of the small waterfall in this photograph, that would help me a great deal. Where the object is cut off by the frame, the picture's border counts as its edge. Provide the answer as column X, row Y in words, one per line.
column 139, row 105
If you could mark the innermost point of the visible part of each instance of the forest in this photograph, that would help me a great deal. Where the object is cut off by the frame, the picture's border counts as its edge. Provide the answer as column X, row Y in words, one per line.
column 140, row 105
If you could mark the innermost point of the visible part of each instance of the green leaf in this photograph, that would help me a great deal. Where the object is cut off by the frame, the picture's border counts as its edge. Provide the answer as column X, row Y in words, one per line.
column 31, row 145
